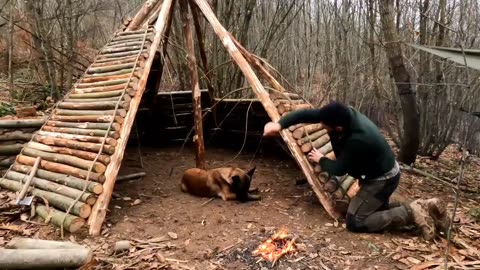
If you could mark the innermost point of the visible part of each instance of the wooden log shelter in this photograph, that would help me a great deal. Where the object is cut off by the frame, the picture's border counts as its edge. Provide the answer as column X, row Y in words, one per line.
column 82, row 143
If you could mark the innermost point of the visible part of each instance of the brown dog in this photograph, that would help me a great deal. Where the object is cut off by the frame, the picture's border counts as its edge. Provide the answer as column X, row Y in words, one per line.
column 228, row 183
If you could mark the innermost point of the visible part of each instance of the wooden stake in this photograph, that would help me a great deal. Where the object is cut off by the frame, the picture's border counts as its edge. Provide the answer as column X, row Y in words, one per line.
column 141, row 15
column 99, row 210
column 196, row 94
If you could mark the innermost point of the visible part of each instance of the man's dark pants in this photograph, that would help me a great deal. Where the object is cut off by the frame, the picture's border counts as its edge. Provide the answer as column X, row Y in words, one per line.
column 370, row 211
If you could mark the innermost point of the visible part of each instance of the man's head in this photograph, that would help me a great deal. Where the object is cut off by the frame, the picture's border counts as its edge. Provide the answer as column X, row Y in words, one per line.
column 335, row 117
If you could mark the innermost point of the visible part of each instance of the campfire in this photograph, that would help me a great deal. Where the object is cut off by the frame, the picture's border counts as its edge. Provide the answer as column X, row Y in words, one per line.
column 275, row 247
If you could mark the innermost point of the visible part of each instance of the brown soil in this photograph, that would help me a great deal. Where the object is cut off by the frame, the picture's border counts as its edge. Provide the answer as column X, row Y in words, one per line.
column 221, row 235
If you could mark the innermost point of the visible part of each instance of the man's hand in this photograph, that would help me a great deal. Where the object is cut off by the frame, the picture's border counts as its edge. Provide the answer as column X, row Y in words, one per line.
column 271, row 129
column 315, row 155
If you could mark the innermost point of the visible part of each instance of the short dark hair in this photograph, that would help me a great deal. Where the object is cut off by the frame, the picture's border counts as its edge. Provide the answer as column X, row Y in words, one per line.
column 335, row 114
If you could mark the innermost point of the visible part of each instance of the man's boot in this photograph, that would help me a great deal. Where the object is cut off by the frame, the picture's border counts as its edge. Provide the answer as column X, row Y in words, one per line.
column 422, row 218
column 438, row 211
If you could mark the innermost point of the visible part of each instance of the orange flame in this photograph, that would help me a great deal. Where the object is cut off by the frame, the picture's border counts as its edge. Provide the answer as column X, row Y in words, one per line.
column 276, row 246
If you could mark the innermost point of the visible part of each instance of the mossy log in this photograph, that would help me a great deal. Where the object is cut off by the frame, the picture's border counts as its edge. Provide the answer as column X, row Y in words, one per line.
column 22, row 123
column 17, row 135
column 46, row 185
column 59, row 178
column 119, row 49
column 67, row 151
column 61, row 168
column 92, row 147
column 119, row 112
column 105, row 105
column 79, row 208
column 65, row 159
column 105, row 83
column 10, row 149
column 104, row 126
column 71, row 224
column 112, row 68
column 79, row 131
column 80, row 138
column 130, row 90
column 87, row 118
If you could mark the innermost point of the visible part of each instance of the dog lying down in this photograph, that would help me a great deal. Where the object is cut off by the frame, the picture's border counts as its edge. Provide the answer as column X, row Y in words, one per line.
column 228, row 183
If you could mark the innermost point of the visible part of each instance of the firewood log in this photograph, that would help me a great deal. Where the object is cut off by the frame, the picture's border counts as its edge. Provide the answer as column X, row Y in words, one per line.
column 278, row 102
column 45, row 258
column 63, row 150
column 46, row 185
column 104, row 126
column 130, row 37
column 10, row 149
column 283, row 95
column 122, row 54
column 138, row 71
column 123, row 60
column 112, row 68
column 124, row 49
column 97, row 95
column 131, row 43
column 320, row 142
column 79, row 208
column 79, row 131
column 91, row 100
column 7, row 162
column 95, row 79
column 16, row 136
column 92, row 147
column 63, row 179
column 130, row 90
column 72, row 223
column 286, row 107
column 294, row 127
column 136, row 32
column 87, row 118
column 61, row 168
column 103, row 84
column 348, row 183
column 34, row 122
column 30, row 243
column 81, row 138
column 106, row 105
column 310, row 128
column 119, row 112
column 311, row 137
column 65, row 159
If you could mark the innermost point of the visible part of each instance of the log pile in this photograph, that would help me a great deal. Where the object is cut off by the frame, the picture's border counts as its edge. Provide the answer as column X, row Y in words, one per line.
column 81, row 144
column 14, row 134
column 314, row 136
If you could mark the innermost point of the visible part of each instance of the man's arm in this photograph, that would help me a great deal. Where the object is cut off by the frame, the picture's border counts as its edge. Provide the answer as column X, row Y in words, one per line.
column 344, row 161
column 300, row 116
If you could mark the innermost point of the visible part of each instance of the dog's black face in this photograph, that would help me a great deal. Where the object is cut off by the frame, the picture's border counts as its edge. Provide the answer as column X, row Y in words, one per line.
column 241, row 185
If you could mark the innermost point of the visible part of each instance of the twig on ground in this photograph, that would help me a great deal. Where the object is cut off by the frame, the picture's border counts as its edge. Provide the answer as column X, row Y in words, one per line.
column 209, row 201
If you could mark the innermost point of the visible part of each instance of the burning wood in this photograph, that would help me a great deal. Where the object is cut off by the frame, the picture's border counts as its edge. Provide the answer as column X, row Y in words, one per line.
column 276, row 246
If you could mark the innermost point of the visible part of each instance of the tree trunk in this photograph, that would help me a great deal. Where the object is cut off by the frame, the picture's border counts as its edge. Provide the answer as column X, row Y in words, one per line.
column 79, row 131
column 411, row 124
column 196, row 94
column 81, row 138
column 87, row 125
column 23, row 123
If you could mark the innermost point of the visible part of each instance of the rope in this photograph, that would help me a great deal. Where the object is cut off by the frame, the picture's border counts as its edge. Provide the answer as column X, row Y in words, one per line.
column 87, row 180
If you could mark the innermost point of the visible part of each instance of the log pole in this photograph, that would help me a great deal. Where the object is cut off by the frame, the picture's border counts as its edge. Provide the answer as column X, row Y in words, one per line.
column 196, row 94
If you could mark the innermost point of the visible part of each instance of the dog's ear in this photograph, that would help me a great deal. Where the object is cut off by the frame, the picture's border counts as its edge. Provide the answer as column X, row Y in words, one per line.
column 251, row 171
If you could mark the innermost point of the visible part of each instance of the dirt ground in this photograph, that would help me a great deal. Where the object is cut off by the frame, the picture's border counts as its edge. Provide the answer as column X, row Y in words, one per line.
column 198, row 233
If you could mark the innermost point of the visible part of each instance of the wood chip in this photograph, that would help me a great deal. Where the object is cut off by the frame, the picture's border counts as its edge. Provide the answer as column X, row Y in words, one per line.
column 172, row 235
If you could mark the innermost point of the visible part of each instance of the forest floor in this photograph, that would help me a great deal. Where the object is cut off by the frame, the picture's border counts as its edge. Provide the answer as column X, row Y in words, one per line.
column 169, row 229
